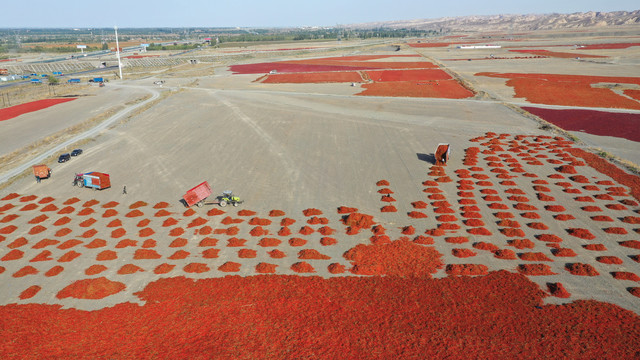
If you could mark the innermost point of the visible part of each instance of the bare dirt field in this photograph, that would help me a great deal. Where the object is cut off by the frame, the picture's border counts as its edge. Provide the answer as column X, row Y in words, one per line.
column 513, row 198
column 90, row 102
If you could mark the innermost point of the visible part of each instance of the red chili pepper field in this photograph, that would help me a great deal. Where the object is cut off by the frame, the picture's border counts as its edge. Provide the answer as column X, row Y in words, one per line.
column 17, row 110
column 524, row 248
column 563, row 55
column 622, row 125
column 409, row 77
column 570, row 90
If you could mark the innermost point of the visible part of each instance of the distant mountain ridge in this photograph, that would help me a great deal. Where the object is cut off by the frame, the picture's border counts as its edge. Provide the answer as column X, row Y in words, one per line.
column 515, row 22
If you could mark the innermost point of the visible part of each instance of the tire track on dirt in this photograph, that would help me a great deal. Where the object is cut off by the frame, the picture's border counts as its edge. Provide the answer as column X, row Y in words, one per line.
column 293, row 174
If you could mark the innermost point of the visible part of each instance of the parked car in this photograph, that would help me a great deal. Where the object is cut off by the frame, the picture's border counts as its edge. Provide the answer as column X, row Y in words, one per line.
column 76, row 152
column 64, row 158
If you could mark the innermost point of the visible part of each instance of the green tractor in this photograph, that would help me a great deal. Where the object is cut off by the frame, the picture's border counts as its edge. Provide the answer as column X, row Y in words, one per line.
column 227, row 197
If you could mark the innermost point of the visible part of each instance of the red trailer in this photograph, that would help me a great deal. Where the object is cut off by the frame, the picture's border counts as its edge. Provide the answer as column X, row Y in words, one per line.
column 93, row 180
column 198, row 194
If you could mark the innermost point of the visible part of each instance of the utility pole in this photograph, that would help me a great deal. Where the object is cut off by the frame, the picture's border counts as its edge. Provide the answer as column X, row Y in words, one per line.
column 118, row 52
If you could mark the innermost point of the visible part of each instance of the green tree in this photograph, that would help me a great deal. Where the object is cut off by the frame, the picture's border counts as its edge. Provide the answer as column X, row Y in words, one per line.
column 53, row 80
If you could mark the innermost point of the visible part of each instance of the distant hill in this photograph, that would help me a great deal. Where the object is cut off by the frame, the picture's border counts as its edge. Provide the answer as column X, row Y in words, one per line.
column 514, row 22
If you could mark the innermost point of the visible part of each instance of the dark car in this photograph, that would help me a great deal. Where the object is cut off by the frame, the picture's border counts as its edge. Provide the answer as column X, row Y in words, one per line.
column 76, row 152
column 64, row 158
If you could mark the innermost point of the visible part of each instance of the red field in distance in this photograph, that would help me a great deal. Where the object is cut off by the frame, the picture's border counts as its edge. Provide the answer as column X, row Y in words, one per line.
column 449, row 89
column 571, row 90
column 14, row 111
column 282, row 67
column 314, row 77
column 563, row 55
column 601, row 123
column 383, row 78
column 373, row 65
column 408, row 75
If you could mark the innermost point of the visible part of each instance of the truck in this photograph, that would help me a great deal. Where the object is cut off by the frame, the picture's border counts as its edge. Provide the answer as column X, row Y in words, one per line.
column 73, row 81
column 198, row 194
column 97, row 79
column 36, row 81
column 41, row 172
column 94, row 179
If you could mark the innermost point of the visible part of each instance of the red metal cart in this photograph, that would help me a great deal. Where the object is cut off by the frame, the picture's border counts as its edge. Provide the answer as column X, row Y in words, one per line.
column 198, row 194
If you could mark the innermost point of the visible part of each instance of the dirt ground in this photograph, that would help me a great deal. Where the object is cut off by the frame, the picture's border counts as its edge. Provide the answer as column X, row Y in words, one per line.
column 294, row 147
column 90, row 102
column 274, row 146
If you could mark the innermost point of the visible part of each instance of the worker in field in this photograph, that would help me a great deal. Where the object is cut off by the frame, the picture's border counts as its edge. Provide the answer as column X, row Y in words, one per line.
column 442, row 154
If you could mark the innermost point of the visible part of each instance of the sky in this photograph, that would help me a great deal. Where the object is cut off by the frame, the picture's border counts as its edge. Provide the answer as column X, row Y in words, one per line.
column 272, row 13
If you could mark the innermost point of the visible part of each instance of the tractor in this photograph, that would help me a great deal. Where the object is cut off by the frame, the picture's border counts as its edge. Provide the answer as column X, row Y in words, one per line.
column 227, row 197
column 199, row 194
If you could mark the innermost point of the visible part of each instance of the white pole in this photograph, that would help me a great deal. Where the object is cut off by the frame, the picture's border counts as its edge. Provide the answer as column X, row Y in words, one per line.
column 118, row 52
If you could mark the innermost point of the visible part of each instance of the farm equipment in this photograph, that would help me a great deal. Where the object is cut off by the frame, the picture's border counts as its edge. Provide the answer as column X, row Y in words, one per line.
column 227, row 197
column 200, row 193
column 93, row 180
column 41, row 172
column 197, row 195
column 442, row 154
